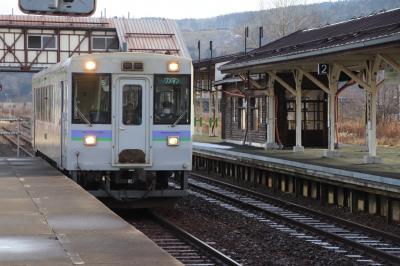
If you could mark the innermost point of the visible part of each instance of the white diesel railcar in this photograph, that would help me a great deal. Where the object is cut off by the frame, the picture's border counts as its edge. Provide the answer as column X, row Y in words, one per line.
column 118, row 123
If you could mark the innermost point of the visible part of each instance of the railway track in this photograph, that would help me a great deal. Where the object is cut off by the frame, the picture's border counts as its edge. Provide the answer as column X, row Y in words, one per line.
column 345, row 234
column 13, row 141
column 183, row 246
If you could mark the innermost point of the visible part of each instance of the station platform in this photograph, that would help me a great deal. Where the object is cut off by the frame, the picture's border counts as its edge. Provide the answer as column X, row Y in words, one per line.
column 47, row 219
column 347, row 168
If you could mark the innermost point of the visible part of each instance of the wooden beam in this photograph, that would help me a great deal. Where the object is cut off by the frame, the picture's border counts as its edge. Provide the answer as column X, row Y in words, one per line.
column 390, row 62
column 313, row 79
column 282, row 82
column 253, row 82
column 376, row 64
column 10, row 48
column 352, row 76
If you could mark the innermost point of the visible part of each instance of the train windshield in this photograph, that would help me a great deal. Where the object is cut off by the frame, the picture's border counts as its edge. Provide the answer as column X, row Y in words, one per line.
column 91, row 98
column 172, row 99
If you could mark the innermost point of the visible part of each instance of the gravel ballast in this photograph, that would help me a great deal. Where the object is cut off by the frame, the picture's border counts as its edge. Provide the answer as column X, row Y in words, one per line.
column 245, row 239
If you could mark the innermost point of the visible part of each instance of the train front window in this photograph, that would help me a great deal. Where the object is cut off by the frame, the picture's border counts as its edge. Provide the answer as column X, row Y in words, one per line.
column 91, row 98
column 132, row 105
column 172, row 99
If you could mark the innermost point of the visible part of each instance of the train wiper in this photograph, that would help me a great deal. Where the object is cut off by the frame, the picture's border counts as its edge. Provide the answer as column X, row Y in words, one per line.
column 179, row 119
column 83, row 117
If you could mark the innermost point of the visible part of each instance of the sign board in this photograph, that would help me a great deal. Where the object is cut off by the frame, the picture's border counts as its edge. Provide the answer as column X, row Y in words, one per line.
column 323, row 69
column 392, row 78
column 58, row 7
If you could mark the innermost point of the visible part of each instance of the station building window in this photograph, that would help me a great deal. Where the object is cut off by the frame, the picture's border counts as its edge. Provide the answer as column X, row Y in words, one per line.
column 206, row 105
column 312, row 114
column 242, row 113
column 42, row 42
column 256, row 113
column 232, row 110
column 105, row 43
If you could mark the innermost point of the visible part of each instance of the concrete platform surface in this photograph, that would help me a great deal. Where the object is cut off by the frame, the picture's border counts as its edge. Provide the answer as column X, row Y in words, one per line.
column 349, row 157
column 346, row 167
column 47, row 219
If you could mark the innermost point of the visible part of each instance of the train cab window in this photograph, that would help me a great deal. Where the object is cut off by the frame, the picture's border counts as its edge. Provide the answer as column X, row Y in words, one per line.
column 91, row 99
column 172, row 99
column 132, row 105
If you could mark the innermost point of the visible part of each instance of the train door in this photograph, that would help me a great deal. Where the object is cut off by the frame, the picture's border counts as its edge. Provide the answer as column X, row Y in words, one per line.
column 131, row 146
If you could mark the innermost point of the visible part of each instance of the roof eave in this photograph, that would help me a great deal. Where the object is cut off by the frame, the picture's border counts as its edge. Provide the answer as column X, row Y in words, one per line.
column 286, row 58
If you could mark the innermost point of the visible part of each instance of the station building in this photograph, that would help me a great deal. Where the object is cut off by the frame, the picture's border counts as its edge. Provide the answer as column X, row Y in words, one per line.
column 208, row 95
column 284, row 94
column 31, row 43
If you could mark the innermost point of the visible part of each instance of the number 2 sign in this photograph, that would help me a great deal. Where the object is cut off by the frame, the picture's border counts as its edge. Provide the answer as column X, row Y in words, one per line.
column 323, row 69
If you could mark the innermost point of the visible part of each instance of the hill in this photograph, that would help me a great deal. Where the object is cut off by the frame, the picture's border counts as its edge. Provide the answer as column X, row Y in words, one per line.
column 227, row 31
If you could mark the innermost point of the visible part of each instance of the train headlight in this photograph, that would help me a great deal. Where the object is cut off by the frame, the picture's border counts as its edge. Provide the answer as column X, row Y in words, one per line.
column 173, row 141
column 173, row 67
column 90, row 140
column 90, row 66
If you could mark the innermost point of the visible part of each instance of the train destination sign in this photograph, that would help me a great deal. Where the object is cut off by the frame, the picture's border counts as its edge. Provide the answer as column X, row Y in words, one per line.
column 169, row 81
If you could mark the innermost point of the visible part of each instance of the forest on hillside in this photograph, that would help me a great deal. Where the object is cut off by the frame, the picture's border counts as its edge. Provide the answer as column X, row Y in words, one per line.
column 285, row 16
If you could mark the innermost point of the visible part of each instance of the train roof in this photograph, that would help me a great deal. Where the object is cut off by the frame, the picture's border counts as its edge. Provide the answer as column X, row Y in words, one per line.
column 104, row 56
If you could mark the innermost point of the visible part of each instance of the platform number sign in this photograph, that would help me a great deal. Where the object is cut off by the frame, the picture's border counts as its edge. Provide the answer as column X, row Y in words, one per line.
column 323, row 69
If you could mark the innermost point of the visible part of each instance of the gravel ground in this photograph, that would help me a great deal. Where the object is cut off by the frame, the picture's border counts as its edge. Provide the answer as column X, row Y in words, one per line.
column 359, row 217
column 246, row 240
column 7, row 150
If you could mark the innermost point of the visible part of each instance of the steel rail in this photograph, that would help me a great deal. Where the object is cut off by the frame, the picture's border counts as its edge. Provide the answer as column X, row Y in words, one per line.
column 13, row 142
column 216, row 255
column 368, row 249
column 297, row 207
column 22, row 136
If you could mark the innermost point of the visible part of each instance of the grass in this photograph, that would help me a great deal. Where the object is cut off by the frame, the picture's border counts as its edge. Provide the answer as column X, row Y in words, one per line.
column 353, row 132
column 201, row 138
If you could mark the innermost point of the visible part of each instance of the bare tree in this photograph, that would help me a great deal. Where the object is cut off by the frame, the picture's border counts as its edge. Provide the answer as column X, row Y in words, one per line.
column 287, row 16
column 388, row 104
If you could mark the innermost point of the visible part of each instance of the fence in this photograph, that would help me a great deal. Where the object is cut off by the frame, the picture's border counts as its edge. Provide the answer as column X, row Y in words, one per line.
column 6, row 132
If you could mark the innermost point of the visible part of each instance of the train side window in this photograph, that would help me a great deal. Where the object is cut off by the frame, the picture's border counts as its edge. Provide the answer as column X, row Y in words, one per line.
column 91, row 98
column 132, row 105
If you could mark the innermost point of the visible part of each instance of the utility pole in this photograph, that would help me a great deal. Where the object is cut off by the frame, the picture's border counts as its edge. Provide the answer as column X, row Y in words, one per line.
column 209, row 66
column 198, row 71
column 246, row 35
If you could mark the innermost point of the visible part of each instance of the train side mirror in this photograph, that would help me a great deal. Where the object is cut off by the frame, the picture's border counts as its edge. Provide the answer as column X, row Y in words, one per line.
column 58, row 7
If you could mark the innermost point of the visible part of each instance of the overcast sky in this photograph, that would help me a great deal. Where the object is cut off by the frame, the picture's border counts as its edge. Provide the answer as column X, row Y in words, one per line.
column 176, row 9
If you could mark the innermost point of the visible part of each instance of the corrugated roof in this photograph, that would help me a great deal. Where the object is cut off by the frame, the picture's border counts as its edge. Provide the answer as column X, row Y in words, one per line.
column 149, row 35
column 215, row 60
column 358, row 30
column 53, row 21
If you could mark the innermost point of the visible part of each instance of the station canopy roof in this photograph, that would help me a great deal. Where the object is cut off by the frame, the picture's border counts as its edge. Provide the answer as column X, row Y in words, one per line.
column 375, row 30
